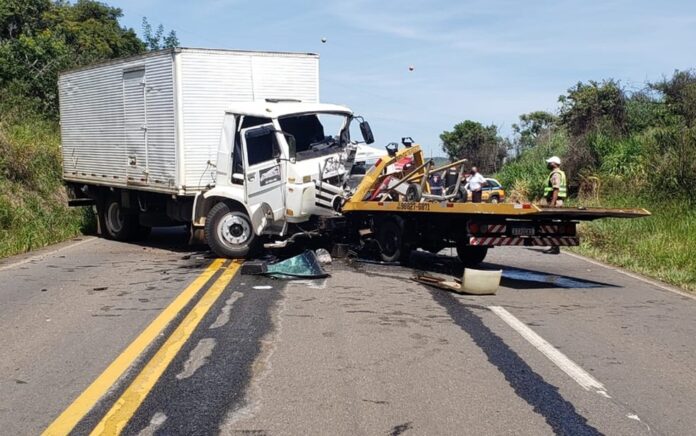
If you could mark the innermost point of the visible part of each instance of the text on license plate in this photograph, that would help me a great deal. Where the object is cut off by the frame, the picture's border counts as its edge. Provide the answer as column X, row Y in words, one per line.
column 523, row 231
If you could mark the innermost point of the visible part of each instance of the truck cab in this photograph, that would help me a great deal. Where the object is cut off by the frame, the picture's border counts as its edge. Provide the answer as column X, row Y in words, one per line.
column 279, row 163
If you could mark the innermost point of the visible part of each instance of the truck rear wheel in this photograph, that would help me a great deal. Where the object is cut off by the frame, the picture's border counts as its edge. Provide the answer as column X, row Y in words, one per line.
column 471, row 255
column 116, row 222
column 229, row 233
column 390, row 236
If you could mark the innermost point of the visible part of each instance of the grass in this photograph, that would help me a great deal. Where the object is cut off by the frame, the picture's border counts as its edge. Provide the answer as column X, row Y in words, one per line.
column 33, row 202
column 662, row 246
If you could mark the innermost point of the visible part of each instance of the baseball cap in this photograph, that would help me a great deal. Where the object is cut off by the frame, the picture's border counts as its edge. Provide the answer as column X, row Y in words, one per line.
column 554, row 159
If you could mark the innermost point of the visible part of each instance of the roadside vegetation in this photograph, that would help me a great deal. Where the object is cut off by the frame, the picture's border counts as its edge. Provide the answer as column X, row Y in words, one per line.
column 38, row 39
column 621, row 149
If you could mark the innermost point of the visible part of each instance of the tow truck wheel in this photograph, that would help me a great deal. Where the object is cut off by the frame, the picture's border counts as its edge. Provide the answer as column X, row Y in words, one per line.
column 471, row 255
column 229, row 232
column 390, row 236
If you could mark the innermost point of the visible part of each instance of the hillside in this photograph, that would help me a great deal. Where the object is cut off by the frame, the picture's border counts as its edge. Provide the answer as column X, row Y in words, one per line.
column 623, row 149
column 38, row 39
column 33, row 211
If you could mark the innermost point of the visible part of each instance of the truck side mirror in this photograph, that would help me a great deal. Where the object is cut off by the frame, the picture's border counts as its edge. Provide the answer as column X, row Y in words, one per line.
column 366, row 132
column 292, row 146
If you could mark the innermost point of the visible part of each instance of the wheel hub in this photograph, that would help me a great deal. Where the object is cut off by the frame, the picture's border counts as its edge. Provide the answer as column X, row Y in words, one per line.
column 234, row 230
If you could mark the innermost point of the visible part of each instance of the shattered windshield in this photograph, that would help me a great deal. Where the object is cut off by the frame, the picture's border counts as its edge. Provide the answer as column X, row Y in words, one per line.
column 316, row 134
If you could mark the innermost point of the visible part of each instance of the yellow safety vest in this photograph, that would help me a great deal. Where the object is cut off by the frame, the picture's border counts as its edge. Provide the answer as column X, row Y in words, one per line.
column 563, row 189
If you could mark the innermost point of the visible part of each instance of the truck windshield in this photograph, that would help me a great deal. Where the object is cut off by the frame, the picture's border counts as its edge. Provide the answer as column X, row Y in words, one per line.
column 316, row 134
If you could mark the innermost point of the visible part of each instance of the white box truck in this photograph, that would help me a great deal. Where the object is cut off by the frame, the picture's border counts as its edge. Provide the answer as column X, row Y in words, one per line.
column 235, row 143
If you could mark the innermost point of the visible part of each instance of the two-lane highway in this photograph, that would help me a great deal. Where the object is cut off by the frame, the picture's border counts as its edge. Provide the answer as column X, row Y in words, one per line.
column 105, row 338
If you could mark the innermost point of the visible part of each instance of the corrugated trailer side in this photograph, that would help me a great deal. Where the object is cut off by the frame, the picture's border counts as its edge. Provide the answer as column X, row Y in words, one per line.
column 153, row 122
column 209, row 80
column 118, row 123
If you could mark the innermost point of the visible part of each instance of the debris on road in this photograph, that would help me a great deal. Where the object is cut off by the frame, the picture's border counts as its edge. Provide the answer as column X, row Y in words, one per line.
column 475, row 282
column 254, row 267
column 303, row 266
column 323, row 256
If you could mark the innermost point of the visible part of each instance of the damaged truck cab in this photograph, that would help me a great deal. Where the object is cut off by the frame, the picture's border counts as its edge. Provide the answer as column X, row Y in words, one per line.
column 278, row 163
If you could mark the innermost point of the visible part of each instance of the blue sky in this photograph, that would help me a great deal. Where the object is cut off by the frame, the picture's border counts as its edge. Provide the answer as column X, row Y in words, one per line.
column 488, row 61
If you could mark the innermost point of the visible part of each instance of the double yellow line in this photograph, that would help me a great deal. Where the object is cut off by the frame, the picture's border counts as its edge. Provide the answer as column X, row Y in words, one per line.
column 124, row 408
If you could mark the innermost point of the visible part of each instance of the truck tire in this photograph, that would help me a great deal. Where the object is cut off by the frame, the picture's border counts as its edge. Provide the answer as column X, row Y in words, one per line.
column 494, row 199
column 390, row 237
column 116, row 222
column 471, row 255
column 228, row 232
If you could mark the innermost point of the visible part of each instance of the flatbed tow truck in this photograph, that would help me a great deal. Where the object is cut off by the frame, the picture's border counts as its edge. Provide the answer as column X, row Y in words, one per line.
column 404, row 220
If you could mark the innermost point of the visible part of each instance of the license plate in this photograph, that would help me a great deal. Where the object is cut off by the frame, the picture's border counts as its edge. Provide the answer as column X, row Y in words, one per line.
column 523, row 231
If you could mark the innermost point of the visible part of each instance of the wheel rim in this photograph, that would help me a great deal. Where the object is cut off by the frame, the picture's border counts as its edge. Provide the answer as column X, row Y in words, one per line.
column 494, row 200
column 114, row 218
column 233, row 230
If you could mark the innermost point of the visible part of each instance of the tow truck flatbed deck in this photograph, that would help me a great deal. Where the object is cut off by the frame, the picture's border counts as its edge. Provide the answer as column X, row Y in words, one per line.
column 400, row 223
column 502, row 210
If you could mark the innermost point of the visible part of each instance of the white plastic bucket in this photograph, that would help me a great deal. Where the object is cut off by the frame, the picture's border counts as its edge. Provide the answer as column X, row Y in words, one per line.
column 481, row 282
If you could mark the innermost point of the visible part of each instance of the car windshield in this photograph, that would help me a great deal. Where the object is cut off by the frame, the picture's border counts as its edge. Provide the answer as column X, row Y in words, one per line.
column 316, row 134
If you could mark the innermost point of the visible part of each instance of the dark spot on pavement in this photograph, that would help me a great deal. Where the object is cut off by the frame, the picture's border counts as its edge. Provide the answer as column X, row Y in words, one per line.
column 399, row 429
column 20, row 382
column 559, row 413
column 375, row 401
column 251, row 432
column 100, row 288
column 44, row 290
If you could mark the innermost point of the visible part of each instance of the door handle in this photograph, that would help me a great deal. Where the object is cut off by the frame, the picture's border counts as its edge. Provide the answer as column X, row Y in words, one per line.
column 251, row 177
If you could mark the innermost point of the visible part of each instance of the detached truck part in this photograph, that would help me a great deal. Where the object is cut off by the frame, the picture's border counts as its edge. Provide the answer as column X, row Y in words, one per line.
column 233, row 143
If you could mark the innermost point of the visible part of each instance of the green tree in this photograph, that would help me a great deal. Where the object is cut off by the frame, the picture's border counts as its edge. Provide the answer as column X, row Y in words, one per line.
column 21, row 16
column 157, row 40
column 42, row 38
column 679, row 95
column 594, row 106
column 530, row 128
column 480, row 144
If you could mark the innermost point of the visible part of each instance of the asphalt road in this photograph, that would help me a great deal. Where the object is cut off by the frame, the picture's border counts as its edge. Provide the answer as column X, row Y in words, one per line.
column 158, row 338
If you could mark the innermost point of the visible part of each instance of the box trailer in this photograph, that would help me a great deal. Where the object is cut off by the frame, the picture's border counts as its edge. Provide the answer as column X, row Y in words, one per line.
column 153, row 122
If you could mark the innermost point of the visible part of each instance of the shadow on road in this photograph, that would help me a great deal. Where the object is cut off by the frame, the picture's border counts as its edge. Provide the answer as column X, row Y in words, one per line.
column 531, row 387
column 515, row 278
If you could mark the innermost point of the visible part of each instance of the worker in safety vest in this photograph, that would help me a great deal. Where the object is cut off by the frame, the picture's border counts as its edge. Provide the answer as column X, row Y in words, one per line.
column 555, row 190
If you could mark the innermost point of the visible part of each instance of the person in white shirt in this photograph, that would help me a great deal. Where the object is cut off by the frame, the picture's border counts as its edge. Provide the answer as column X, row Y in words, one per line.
column 475, row 184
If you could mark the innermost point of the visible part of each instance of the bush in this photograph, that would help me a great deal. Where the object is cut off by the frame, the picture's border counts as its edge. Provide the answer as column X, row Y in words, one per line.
column 526, row 175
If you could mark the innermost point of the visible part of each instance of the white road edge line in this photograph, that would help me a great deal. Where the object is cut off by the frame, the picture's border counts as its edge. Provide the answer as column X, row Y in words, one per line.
column 632, row 275
column 46, row 254
column 582, row 377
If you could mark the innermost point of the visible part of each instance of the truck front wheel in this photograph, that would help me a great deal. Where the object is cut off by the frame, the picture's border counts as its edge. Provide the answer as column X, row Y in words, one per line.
column 229, row 233
column 471, row 255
